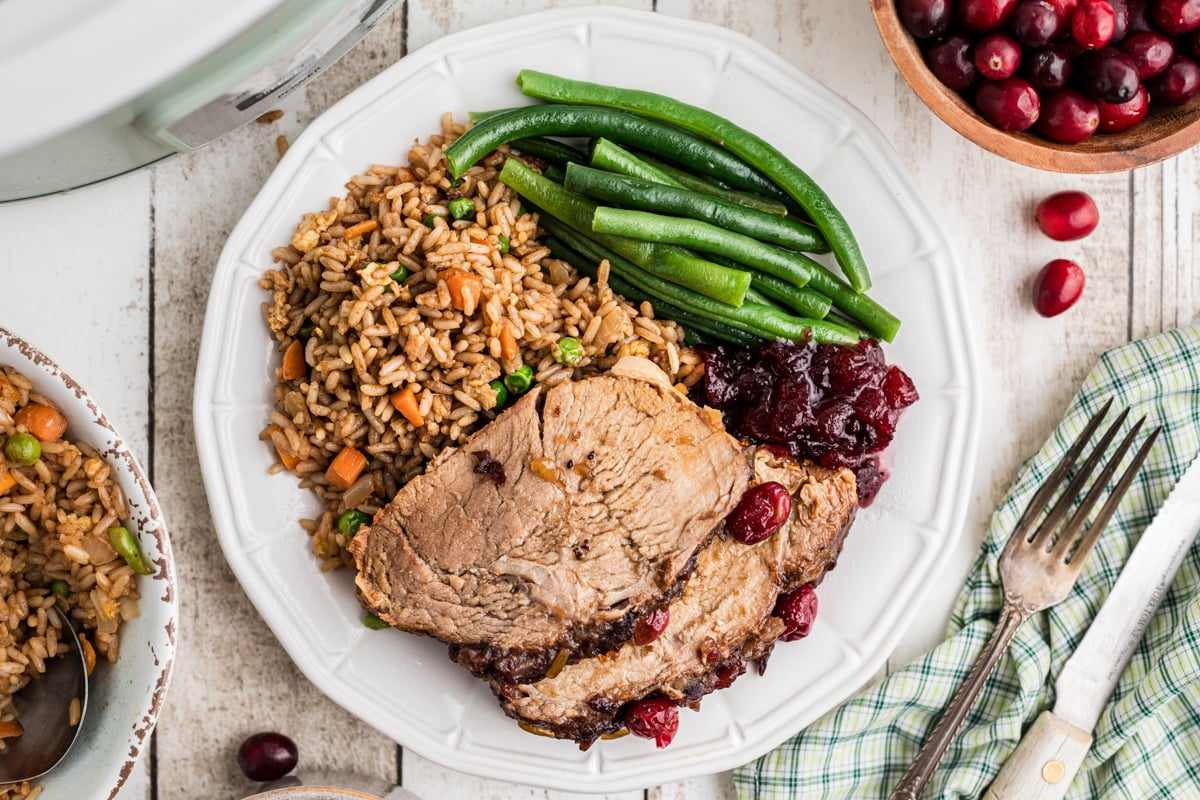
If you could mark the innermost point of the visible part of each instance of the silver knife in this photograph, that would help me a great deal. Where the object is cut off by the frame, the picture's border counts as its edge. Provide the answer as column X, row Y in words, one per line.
column 1050, row 752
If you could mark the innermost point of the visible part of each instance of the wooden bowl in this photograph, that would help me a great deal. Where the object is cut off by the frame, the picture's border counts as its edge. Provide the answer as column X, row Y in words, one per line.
column 1166, row 131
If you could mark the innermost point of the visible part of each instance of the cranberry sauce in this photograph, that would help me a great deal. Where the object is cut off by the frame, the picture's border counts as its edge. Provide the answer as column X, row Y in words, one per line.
column 833, row 404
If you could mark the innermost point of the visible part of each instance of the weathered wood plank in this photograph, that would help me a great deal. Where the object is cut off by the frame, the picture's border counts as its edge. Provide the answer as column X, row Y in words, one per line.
column 1165, row 237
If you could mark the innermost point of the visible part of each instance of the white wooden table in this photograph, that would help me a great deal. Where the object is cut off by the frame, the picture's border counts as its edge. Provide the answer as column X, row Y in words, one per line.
column 112, row 281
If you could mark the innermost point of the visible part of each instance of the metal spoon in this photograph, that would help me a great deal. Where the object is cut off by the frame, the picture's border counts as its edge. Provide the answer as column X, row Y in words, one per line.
column 43, row 709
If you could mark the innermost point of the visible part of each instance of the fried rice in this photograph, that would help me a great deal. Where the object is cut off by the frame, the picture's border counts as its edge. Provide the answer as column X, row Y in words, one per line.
column 482, row 298
column 54, row 550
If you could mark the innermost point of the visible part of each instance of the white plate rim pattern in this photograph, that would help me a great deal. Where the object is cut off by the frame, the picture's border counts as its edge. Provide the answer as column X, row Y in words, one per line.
column 95, row 767
column 214, row 394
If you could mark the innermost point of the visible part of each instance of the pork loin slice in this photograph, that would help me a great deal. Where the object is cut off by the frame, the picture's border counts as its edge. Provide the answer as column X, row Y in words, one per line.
column 608, row 488
column 722, row 620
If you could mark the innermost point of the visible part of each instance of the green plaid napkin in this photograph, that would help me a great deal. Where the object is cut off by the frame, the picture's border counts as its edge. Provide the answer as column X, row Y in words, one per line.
column 1147, row 743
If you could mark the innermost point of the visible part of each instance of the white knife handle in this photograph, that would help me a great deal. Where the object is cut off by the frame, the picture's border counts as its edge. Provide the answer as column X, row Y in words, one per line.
column 1044, row 763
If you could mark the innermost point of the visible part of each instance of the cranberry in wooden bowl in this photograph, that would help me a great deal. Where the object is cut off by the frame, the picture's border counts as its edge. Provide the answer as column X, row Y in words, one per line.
column 1141, row 129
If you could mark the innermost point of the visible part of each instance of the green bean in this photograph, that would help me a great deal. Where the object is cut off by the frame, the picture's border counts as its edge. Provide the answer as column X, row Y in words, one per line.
column 127, row 548
column 619, row 126
column 669, row 263
column 662, row 309
column 762, row 321
column 754, row 150
column 607, row 156
column 647, row 196
column 462, row 207
column 400, row 275
column 704, row 186
column 549, row 150
column 804, row 302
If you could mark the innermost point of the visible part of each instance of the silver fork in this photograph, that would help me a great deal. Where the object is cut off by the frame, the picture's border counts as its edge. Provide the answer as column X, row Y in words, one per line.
column 1037, row 570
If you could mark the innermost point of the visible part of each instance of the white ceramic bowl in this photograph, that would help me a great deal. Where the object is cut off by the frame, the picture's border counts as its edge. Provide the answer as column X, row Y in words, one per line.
column 123, row 700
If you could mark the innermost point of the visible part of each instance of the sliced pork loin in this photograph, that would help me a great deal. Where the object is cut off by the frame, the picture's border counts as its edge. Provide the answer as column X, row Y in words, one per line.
column 722, row 620
column 557, row 526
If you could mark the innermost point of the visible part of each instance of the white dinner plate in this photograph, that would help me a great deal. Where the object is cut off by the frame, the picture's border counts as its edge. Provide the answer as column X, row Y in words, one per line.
column 404, row 685
column 124, row 698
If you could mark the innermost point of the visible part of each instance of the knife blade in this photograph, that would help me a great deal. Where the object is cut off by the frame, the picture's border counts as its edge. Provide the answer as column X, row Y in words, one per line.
column 1049, row 755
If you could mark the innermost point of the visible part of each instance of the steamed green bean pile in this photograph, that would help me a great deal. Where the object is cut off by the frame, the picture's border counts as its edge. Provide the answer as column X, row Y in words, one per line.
column 699, row 216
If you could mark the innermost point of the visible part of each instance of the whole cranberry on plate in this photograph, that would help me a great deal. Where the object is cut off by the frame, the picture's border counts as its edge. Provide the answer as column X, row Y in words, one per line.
column 1058, row 287
column 267, row 756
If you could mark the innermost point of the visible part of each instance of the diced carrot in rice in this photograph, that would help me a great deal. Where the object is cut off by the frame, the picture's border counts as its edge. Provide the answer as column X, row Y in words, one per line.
column 294, row 367
column 345, row 468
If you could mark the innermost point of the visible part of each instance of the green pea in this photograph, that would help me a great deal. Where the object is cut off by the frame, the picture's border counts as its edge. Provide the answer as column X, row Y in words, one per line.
column 519, row 382
column 501, row 393
column 570, row 350
column 127, row 548
column 60, row 587
column 521, row 211
column 430, row 220
column 306, row 331
column 400, row 275
column 351, row 521
column 374, row 623
column 23, row 449
column 462, row 208
column 503, row 246
column 457, row 182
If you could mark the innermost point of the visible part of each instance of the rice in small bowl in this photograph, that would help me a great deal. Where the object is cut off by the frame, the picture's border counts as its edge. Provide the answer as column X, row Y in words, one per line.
column 55, row 518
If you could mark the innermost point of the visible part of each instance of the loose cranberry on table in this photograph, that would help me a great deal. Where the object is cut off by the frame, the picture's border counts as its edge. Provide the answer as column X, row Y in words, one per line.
column 1068, row 116
column 1066, row 216
column 267, row 756
column 1011, row 104
column 761, row 512
column 1058, row 287
column 997, row 56
column 654, row 718
column 1093, row 24
column 798, row 610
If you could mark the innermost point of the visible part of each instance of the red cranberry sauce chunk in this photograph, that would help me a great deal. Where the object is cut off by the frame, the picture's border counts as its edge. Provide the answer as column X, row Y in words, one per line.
column 654, row 718
column 797, row 609
column 833, row 404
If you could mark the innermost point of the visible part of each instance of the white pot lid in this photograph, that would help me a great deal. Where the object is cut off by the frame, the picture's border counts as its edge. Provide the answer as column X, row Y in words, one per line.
column 69, row 61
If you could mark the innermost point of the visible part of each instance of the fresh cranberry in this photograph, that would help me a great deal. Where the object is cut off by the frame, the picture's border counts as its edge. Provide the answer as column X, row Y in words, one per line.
column 1035, row 23
column 1064, row 9
column 1177, row 84
column 1176, row 16
column 952, row 64
column 1067, row 216
column 1068, row 117
column 1108, row 75
column 1058, row 286
column 1120, row 20
column 981, row 16
column 1117, row 117
column 1093, row 23
column 1048, row 69
column 1011, row 104
column 1151, row 52
column 797, row 609
column 267, row 756
column 654, row 718
column 762, row 510
column 997, row 56
column 651, row 626
column 1139, row 17
column 925, row 19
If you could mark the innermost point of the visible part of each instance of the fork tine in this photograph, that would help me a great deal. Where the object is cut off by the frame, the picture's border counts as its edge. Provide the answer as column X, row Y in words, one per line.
column 1075, row 524
column 1042, row 498
column 1110, row 506
column 1041, row 540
